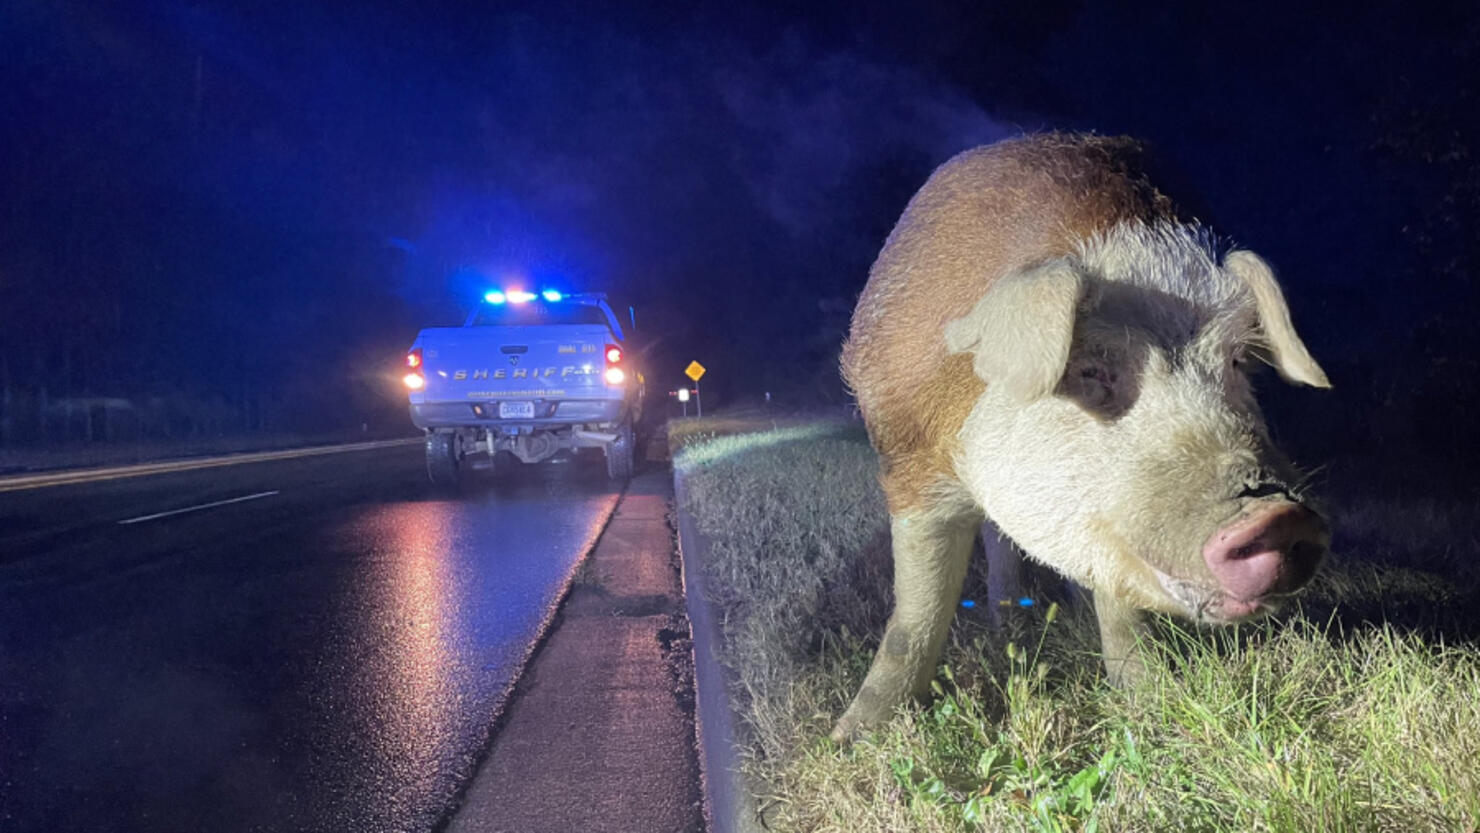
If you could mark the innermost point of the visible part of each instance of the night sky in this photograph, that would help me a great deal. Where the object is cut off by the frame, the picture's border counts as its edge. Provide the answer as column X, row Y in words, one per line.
column 254, row 206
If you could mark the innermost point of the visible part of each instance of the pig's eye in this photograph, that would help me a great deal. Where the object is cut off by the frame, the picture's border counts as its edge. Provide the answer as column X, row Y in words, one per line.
column 1099, row 374
column 1094, row 386
column 1104, row 383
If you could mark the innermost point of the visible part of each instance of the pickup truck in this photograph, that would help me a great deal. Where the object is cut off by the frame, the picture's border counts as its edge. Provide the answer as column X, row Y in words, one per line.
column 531, row 374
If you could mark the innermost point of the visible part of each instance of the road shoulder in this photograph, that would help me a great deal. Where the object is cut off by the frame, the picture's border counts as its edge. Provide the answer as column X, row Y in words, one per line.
column 599, row 735
column 98, row 474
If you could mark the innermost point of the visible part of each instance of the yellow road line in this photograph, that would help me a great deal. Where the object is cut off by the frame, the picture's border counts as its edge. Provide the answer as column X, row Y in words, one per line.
column 96, row 475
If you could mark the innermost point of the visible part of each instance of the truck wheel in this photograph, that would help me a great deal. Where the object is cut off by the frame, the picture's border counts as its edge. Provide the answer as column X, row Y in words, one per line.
column 619, row 454
column 444, row 458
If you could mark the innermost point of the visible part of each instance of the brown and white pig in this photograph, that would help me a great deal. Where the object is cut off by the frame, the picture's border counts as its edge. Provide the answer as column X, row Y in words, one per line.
column 1047, row 342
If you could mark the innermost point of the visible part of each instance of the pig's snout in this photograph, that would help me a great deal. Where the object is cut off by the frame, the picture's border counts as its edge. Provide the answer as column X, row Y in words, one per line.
column 1272, row 547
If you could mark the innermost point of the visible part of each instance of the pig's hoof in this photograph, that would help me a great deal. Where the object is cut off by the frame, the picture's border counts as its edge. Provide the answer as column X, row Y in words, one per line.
column 844, row 732
column 868, row 709
column 1126, row 672
column 849, row 728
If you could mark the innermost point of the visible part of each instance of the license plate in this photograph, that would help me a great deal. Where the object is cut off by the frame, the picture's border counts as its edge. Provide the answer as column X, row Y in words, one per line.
column 516, row 410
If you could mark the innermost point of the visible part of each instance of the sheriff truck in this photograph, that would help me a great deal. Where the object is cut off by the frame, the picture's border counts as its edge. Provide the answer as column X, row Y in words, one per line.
column 530, row 373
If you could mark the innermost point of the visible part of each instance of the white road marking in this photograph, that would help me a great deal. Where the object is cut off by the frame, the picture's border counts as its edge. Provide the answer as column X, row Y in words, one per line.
column 211, row 505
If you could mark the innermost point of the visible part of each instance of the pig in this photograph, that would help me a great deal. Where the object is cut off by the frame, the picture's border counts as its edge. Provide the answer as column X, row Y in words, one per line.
column 1047, row 341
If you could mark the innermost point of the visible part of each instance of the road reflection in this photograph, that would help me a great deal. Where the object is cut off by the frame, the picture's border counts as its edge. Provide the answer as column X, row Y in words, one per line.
column 433, row 625
column 416, row 656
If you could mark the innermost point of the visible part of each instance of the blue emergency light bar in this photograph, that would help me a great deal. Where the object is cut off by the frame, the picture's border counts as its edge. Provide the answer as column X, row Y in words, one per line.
column 519, row 296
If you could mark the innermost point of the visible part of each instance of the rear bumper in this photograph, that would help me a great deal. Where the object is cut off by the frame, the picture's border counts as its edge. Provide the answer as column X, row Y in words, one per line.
column 556, row 414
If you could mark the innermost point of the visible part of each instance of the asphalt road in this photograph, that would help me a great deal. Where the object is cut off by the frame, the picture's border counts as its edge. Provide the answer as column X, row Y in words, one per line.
column 324, row 648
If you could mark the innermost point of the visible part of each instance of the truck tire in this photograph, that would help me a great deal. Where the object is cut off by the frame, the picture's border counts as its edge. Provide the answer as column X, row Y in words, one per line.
column 444, row 458
column 619, row 455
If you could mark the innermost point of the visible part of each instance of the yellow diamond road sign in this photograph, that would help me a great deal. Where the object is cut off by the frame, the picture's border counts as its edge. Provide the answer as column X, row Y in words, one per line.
column 694, row 371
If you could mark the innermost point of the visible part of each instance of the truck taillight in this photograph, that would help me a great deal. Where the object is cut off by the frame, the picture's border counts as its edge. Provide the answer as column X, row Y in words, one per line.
column 414, row 380
column 614, row 375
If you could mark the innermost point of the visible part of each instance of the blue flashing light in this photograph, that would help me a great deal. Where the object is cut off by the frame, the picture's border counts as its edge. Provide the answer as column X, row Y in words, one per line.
column 1025, row 602
column 519, row 296
column 495, row 297
column 968, row 603
column 552, row 295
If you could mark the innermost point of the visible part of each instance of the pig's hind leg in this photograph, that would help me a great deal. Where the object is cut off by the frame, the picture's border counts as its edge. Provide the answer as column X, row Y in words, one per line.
column 931, row 553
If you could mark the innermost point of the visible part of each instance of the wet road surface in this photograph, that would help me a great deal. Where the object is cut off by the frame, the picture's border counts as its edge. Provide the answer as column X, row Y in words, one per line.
column 322, row 646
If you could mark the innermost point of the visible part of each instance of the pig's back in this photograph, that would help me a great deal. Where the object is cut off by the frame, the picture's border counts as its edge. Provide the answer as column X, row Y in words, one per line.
column 985, row 212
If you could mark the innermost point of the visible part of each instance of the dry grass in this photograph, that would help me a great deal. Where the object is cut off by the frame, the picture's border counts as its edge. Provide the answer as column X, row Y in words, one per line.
column 693, row 430
column 1357, row 711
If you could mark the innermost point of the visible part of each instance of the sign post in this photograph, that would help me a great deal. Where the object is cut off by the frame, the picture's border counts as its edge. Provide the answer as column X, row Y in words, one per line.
column 694, row 371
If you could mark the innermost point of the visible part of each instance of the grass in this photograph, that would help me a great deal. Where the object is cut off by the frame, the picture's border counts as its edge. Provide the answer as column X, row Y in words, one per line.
column 1358, row 710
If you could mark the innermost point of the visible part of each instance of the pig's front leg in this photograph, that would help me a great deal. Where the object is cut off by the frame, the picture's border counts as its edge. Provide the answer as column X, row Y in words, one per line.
column 931, row 553
column 1121, row 628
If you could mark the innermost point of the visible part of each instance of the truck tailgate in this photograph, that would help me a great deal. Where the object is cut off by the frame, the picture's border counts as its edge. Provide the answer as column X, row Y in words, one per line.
column 563, row 361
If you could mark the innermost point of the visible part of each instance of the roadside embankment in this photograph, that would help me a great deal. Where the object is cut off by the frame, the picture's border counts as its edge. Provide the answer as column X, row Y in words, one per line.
column 1355, row 709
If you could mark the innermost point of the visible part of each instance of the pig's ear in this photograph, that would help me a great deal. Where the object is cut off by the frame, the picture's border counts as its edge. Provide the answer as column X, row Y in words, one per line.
column 1291, row 358
column 1021, row 330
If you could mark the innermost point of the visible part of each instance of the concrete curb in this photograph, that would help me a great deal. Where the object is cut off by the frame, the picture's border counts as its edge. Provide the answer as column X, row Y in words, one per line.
column 728, row 804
